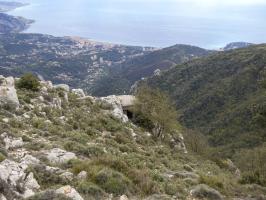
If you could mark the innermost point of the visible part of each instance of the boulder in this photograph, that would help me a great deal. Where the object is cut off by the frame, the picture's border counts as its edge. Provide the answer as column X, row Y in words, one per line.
column 69, row 192
column 116, row 107
column 63, row 87
column 178, row 143
column 205, row 192
column 82, row 175
column 67, row 176
column 79, row 92
column 2, row 197
column 60, row 156
column 29, row 160
column 11, row 142
column 13, row 174
column 8, row 93
column 123, row 197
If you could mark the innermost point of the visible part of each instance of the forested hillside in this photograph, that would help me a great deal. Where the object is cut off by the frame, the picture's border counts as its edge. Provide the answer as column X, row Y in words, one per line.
column 222, row 96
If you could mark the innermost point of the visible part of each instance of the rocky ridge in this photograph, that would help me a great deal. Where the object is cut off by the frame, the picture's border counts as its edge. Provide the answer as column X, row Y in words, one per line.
column 102, row 154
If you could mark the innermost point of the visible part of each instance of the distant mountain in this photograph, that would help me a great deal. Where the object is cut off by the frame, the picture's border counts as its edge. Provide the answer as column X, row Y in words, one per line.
column 11, row 24
column 236, row 45
column 121, row 77
column 222, row 96
column 6, row 6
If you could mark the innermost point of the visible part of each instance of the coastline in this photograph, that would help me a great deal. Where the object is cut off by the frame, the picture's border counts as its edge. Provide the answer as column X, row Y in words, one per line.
column 10, row 22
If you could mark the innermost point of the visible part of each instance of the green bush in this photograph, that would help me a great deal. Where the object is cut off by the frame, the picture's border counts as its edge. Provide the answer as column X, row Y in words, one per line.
column 113, row 182
column 212, row 181
column 29, row 82
column 2, row 157
column 88, row 189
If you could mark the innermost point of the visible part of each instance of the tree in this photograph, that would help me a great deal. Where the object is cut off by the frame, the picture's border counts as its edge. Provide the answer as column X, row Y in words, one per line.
column 154, row 111
column 29, row 82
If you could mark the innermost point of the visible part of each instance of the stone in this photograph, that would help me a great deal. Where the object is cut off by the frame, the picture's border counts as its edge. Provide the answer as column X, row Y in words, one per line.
column 13, row 143
column 177, row 142
column 123, row 197
column 8, row 93
column 185, row 174
column 79, row 92
column 31, row 183
column 55, row 170
column 188, row 168
column 205, row 192
column 68, row 176
column 13, row 174
column 2, row 197
column 116, row 106
column 82, row 175
column 29, row 160
column 60, row 156
column 157, row 72
column 6, row 120
column 69, row 192
column 63, row 87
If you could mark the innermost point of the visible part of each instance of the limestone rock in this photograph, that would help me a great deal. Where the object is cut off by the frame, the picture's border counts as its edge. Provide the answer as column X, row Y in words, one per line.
column 60, row 156
column 2, row 197
column 8, row 93
column 68, row 176
column 82, row 175
column 69, row 192
column 185, row 174
column 178, row 143
column 205, row 192
column 117, row 109
column 79, row 92
column 11, row 142
column 123, row 197
column 13, row 173
column 63, row 87
column 29, row 160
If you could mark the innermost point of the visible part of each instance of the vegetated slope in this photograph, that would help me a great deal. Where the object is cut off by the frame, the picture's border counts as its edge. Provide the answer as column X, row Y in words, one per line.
column 54, row 138
column 221, row 95
column 121, row 77
column 11, row 24
column 75, row 61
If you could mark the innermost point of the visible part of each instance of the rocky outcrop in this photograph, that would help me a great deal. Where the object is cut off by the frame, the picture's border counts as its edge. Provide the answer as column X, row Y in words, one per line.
column 79, row 92
column 13, row 173
column 64, row 87
column 205, row 192
column 8, row 94
column 116, row 106
column 10, row 142
column 69, row 192
column 60, row 156
column 178, row 143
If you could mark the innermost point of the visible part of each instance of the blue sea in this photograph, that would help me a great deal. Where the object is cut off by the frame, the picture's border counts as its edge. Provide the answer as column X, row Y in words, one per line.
column 157, row 23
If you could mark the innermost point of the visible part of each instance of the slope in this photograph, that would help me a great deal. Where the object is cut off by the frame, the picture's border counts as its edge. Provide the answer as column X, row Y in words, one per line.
column 221, row 96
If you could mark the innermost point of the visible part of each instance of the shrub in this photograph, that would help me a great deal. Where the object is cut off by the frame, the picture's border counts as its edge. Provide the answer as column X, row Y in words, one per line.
column 113, row 182
column 2, row 157
column 29, row 82
column 88, row 189
column 155, row 112
column 49, row 195
column 212, row 181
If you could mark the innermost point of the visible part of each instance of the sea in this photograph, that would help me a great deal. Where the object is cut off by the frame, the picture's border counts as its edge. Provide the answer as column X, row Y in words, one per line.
column 156, row 23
